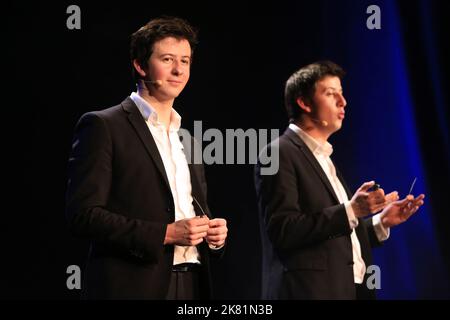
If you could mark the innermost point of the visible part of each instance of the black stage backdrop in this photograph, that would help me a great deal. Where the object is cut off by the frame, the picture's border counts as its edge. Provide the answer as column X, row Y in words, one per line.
column 396, row 129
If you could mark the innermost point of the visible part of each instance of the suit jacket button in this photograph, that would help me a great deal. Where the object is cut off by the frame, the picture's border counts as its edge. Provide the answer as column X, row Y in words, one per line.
column 169, row 209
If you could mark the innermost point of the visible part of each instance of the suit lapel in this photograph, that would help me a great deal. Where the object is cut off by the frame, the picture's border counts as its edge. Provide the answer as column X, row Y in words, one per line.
column 136, row 120
column 199, row 201
column 312, row 160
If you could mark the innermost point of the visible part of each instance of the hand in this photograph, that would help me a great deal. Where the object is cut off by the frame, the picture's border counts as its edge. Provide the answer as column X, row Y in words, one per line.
column 364, row 202
column 400, row 211
column 391, row 197
column 217, row 232
column 187, row 232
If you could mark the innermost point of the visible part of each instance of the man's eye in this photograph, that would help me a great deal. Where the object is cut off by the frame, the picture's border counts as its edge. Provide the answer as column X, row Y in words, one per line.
column 185, row 62
column 167, row 59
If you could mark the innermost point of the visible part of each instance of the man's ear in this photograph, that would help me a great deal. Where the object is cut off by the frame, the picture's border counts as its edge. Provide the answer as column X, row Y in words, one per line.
column 138, row 68
column 303, row 104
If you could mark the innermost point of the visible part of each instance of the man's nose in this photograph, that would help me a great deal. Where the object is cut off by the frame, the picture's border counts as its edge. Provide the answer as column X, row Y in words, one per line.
column 177, row 68
column 342, row 102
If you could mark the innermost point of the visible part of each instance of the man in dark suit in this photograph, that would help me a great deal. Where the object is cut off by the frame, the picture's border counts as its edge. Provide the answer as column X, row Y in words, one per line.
column 314, row 224
column 133, row 189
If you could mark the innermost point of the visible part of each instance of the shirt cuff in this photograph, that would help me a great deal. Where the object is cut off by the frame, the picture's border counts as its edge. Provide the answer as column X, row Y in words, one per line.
column 213, row 247
column 381, row 232
column 352, row 220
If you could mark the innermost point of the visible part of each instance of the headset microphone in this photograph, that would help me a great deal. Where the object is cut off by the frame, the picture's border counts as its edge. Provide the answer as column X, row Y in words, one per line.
column 321, row 122
column 155, row 82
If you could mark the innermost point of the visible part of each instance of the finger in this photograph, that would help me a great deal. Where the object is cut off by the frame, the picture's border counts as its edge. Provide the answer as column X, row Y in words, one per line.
column 203, row 218
column 420, row 197
column 393, row 196
column 199, row 221
column 366, row 186
column 416, row 208
column 215, row 238
column 418, row 202
column 217, row 222
column 363, row 194
column 377, row 195
column 219, row 230
column 377, row 208
column 198, row 229
column 379, row 192
column 195, row 236
column 410, row 211
column 195, row 242
column 403, row 202
column 213, row 231
column 377, row 201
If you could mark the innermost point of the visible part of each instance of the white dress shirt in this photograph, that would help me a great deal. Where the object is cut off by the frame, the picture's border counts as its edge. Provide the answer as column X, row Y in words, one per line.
column 176, row 166
column 322, row 152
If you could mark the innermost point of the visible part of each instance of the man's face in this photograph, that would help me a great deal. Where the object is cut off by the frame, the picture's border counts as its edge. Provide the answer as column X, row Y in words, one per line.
column 170, row 63
column 329, row 102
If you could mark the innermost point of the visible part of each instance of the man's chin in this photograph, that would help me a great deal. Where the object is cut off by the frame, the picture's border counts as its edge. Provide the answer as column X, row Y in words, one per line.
column 174, row 94
column 171, row 95
column 336, row 126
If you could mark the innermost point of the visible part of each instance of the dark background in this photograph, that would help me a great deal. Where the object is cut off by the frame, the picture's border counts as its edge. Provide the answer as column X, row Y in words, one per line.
column 396, row 126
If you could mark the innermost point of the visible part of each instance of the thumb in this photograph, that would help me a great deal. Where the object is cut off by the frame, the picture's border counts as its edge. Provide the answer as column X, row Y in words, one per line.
column 217, row 222
column 366, row 186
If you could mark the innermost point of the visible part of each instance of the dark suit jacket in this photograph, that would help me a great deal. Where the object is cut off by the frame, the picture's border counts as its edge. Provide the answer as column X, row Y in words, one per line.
column 119, row 197
column 307, row 226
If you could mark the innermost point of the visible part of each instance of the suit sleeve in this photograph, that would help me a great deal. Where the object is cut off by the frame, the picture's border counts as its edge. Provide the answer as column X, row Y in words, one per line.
column 89, row 182
column 288, row 225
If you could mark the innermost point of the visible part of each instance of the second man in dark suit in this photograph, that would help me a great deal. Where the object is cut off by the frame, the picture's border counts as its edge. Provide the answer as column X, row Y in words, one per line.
column 313, row 221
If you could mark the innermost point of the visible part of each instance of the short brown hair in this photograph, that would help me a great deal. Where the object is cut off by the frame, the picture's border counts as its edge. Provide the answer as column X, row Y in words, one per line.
column 142, row 41
column 302, row 83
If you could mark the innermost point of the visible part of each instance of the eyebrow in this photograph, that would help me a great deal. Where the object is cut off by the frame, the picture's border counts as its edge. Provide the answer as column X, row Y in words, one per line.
column 173, row 55
column 333, row 88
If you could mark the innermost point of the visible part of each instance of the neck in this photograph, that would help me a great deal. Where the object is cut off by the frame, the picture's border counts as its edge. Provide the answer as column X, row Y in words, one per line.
column 162, row 107
column 315, row 130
